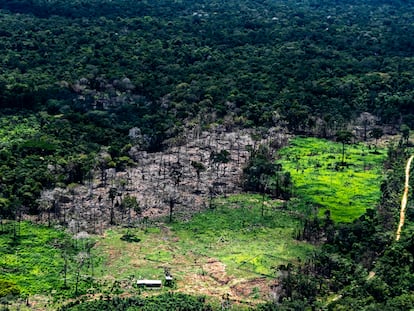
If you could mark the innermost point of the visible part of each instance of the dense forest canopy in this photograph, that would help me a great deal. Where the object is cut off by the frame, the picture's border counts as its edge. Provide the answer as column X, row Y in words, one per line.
column 109, row 73
column 306, row 60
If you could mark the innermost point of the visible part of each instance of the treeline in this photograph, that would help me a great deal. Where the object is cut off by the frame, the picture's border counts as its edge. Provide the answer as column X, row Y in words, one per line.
column 255, row 63
column 168, row 301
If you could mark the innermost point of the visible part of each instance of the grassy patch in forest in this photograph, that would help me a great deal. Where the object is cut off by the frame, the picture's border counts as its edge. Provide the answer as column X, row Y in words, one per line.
column 31, row 259
column 347, row 191
column 237, row 234
column 234, row 236
column 45, row 265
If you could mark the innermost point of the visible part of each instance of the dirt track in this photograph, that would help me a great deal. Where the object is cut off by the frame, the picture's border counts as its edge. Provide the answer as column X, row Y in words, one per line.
column 404, row 198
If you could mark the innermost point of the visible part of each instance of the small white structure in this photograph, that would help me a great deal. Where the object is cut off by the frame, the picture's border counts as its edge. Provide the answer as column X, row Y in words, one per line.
column 149, row 283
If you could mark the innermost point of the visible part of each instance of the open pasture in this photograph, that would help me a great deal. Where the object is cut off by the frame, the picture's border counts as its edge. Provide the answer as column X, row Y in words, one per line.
column 321, row 180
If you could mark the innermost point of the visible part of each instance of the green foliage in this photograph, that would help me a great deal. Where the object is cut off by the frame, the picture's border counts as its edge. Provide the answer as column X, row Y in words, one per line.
column 405, row 133
column 167, row 301
column 38, row 146
column 206, row 64
column 260, row 165
column 227, row 233
column 344, row 137
column 376, row 133
column 198, row 166
column 79, row 75
column 8, row 288
column 37, row 153
column 33, row 260
column 130, row 203
column 30, row 259
column 395, row 269
column 208, row 61
column 321, row 180
column 403, row 302
column 235, row 233
column 15, row 129
column 262, row 175
column 220, row 157
column 362, row 267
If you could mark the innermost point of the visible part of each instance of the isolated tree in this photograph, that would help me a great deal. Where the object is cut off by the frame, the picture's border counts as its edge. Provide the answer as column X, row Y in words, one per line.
column 265, row 182
column 176, row 172
column 211, row 195
column 128, row 204
column 219, row 158
column 284, row 184
column 16, row 210
column 46, row 203
column 405, row 133
column 171, row 197
column 366, row 120
column 65, row 269
column 199, row 167
column 376, row 133
column 112, row 195
column 80, row 260
column 103, row 162
column 344, row 137
column 259, row 167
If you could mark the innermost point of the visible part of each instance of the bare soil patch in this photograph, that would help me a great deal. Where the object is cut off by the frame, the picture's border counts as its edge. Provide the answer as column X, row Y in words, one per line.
column 158, row 179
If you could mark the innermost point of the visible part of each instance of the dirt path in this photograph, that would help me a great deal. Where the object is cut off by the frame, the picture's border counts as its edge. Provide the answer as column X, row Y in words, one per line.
column 404, row 198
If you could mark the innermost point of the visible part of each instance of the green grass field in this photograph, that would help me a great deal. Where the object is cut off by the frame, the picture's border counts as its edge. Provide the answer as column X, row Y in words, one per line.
column 237, row 234
column 213, row 251
column 44, row 264
column 31, row 260
column 347, row 191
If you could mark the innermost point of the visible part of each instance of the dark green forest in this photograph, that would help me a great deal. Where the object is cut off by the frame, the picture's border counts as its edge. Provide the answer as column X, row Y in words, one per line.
column 88, row 71
column 78, row 77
